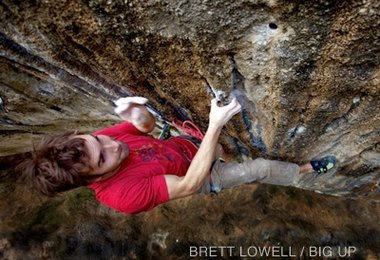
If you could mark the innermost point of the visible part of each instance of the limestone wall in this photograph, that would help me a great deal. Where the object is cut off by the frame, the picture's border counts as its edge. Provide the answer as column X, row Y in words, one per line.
column 306, row 72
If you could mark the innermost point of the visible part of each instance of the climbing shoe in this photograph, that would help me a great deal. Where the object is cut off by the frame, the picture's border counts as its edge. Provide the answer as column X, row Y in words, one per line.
column 323, row 165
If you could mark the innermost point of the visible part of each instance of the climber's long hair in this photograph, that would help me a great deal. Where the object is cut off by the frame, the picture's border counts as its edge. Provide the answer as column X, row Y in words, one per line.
column 55, row 164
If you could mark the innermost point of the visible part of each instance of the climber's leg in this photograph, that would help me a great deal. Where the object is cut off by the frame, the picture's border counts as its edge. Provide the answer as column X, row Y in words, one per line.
column 228, row 175
column 306, row 168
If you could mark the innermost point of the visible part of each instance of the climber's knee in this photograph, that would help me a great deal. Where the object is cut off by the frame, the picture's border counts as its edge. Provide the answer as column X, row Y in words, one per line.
column 258, row 168
column 227, row 175
column 276, row 172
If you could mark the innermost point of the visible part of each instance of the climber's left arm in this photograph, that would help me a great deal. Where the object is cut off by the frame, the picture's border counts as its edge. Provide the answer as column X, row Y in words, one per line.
column 133, row 109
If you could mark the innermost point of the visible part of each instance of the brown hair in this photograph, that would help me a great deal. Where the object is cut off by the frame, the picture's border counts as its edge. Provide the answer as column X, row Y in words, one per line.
column 55, row 163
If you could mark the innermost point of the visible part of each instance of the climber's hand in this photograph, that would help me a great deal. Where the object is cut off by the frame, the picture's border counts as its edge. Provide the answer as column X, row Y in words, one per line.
column 219, row 116
column 124, row 104
column 133, row 109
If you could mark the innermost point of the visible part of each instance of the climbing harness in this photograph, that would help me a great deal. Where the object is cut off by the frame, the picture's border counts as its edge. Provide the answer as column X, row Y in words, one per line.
column 189, row 128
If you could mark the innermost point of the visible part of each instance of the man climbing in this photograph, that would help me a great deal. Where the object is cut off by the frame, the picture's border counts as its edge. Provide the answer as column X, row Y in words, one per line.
column 132, row 172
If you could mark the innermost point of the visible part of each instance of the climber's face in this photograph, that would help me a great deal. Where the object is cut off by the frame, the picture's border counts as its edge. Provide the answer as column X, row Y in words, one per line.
column 105, row 154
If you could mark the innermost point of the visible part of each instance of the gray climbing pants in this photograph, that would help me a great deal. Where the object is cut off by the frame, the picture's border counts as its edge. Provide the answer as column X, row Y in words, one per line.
column 227, row 175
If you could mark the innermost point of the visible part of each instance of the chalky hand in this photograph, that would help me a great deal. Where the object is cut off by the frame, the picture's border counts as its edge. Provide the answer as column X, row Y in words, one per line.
column 129, row 108
column 219, row 116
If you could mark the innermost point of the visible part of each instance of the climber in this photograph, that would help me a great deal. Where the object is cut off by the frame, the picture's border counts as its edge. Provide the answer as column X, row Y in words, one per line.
column 132, row 172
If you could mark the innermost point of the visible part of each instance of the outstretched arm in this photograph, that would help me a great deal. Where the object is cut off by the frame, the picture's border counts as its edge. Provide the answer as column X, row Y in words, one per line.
column 133, row 109
column 200, row 166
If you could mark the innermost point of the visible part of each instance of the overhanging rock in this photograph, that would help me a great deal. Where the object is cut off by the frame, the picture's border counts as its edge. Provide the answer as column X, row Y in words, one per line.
column 306, row 72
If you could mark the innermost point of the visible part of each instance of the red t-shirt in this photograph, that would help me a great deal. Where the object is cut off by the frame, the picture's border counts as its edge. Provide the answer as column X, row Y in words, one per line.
column 140, row 184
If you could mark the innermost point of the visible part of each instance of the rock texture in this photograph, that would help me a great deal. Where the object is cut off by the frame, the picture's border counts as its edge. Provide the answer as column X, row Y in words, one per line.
column 306, row 72
column 76, row 227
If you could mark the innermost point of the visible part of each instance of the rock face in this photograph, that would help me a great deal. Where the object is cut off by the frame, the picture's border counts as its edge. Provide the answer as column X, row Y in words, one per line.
column 306, row 72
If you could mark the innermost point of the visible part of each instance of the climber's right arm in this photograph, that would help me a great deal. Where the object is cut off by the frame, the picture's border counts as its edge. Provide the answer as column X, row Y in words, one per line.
column 199, row 169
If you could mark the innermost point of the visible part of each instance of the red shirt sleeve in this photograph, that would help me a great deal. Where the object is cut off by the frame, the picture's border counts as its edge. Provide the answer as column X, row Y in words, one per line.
column 119, row 129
